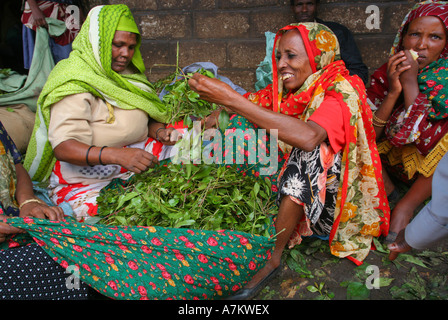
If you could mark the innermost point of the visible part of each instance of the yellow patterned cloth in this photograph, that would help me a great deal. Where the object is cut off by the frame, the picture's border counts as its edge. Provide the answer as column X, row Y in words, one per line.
column 412, row 160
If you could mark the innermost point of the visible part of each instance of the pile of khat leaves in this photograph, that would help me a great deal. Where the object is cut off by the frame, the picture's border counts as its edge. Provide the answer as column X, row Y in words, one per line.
column 208, row 197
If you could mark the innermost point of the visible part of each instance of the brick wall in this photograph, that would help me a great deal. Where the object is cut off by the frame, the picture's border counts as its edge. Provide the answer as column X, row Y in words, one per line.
column 230, row 33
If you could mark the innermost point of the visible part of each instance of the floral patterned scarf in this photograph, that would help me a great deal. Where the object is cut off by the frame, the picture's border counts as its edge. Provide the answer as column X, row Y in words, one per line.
column 418, row 123
column 362, row 211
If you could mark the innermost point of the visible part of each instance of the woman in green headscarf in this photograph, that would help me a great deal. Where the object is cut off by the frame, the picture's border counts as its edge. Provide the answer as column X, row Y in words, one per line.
column 98, row 116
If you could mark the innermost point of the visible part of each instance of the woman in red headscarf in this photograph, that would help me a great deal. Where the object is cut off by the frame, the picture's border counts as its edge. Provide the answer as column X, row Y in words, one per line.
column 331, row 184
column 410, row 98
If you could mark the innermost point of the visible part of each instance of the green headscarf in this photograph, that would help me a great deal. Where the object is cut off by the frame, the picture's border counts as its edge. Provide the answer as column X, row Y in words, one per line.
column 88, row 69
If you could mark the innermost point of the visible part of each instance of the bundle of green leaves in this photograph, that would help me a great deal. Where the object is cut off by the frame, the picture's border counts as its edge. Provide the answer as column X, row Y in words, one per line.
column 184, row 103
column 208, row 197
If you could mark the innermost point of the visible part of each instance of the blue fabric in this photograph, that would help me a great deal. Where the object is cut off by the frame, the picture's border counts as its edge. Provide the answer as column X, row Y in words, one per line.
column 28, row 46
column 28, row 38
column 9, row 145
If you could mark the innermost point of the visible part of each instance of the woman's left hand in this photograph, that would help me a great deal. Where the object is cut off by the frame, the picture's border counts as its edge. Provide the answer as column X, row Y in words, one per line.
column 42, row 211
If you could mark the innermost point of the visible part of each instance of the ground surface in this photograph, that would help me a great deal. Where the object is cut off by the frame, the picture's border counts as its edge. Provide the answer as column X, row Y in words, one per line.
column 310, row 272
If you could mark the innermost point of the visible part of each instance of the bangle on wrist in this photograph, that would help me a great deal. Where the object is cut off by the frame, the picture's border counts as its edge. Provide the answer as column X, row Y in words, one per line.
column 99, row 157
column 28, row 201
column 87, row 155
column 377, row 122
column 157, row 132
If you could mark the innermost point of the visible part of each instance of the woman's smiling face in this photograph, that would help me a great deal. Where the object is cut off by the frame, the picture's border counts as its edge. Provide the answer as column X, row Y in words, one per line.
column 293, row 65
column 427, row 36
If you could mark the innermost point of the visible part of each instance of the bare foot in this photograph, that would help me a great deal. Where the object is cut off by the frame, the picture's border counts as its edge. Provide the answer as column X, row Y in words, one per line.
column 399, row 246
column 262, row 273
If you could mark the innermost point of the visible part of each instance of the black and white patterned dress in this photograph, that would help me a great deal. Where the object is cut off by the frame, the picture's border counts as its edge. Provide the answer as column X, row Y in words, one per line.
column 312, row 180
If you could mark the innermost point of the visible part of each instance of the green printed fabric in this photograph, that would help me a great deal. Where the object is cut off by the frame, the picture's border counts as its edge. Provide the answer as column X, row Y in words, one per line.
column 138, row 263
column 252, row 151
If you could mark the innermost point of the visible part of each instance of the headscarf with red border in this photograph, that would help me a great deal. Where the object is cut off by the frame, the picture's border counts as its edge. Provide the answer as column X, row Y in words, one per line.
column 418, row 123
column 362, row 211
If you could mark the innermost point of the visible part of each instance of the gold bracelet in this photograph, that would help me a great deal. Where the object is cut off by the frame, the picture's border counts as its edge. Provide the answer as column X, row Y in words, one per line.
column 28, row 201
column 379, row 125
column 378, row 120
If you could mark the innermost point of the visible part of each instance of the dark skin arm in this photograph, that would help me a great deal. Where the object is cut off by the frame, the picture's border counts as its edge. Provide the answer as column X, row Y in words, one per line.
column 38, row 15
column 24, row 192
column 408, row 79
column 132, row 159
column 303, row 135
column 159, row 131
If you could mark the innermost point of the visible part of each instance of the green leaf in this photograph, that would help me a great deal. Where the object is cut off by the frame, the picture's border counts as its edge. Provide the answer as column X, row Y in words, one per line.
column 383, row 282
column 121, row 220
column 126, row 197
column 412, row 259
column 357, row 291
column 223, row 120
column 193, row 96
column 173, row 202
column 312, row 289
column 256, row 188
column 184, row 223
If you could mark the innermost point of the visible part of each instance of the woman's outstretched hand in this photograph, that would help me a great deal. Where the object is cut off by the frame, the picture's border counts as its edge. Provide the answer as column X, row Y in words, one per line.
column 212, row 90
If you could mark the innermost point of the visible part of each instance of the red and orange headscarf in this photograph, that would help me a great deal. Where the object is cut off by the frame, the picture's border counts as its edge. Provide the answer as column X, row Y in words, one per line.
column 362, row 211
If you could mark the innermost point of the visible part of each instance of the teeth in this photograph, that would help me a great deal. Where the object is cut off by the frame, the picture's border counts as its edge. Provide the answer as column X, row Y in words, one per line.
column 286, row 76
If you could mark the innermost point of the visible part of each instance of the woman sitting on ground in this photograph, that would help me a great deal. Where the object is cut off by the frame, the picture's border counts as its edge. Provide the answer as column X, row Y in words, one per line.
column 331, row 185
column 98, row 115
column 410, row 98
column 26, row 272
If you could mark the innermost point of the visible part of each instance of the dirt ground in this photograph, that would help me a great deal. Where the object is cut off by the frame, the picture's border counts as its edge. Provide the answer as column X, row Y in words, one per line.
column 310, row 272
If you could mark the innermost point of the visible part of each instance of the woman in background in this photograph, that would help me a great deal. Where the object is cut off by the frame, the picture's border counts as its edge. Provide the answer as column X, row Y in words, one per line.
column 409, row 96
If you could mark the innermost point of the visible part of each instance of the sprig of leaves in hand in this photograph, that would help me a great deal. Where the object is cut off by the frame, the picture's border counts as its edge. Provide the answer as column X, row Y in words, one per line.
column 186, row 104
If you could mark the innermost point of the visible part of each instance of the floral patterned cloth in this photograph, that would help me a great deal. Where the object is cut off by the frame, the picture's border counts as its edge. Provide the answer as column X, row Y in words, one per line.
column 423, row 123
column 142, row 263
column 361, row 210
column 252, row 151
column 9, row 156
